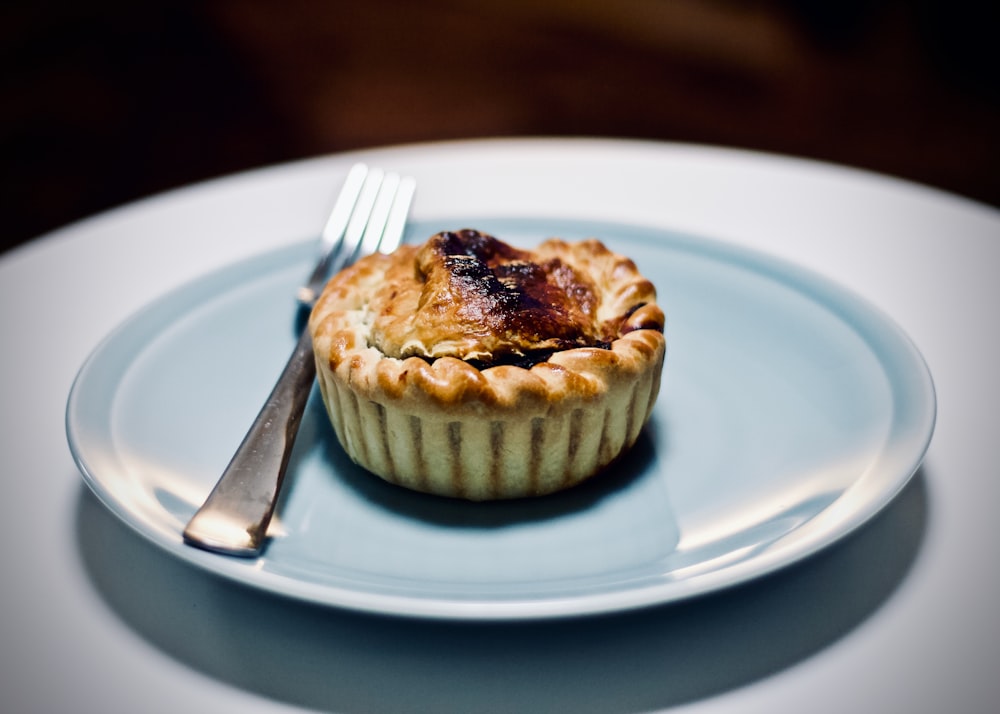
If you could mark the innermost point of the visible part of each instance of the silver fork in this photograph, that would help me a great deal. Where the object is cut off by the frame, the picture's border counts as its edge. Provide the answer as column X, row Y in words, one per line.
column 369, row 215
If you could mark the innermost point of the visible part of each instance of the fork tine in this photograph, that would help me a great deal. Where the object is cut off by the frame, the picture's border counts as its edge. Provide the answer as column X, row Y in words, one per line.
column 336, row 224
column 332, row 237
column 359, row 219
column 369, row 215
column 388, row 220
column 395, row 224
column 379, row 214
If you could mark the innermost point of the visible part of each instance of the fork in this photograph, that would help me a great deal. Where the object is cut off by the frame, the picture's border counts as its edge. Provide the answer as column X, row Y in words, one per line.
column 368, row 216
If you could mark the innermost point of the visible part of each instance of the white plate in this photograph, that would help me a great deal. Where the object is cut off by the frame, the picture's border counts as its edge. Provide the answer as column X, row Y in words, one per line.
column 791, row 412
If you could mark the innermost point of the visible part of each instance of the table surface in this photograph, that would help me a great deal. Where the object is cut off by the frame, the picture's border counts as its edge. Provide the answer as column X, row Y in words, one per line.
column 898, row 616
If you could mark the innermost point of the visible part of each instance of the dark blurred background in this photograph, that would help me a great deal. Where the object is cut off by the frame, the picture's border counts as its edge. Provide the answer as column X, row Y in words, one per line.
column 107, row 101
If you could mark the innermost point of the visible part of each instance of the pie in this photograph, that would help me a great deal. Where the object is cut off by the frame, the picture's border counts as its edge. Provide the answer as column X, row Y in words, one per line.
column 468, row 368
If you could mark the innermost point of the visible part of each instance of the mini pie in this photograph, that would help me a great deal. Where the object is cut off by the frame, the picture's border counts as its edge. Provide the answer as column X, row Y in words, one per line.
column 469, row 368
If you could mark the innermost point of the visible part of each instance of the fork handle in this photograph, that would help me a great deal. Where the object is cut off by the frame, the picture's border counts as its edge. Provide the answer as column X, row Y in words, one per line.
column 234, row 518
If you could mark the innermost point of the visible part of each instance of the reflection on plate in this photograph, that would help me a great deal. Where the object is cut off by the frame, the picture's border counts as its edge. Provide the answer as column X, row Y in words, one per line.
column 790, row 413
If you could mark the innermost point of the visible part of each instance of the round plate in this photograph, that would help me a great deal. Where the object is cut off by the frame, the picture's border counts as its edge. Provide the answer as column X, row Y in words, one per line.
column 791, row 412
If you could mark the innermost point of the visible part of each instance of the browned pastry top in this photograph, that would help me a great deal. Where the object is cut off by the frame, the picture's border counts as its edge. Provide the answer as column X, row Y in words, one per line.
column 562, row 323
column 466, row 294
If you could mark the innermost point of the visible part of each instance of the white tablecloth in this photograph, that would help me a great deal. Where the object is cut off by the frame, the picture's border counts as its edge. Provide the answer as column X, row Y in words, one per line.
column 899, row 616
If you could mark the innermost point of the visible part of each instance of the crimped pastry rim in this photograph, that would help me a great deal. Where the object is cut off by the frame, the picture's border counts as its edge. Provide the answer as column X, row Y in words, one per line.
column 414, row 384
column 580, row 373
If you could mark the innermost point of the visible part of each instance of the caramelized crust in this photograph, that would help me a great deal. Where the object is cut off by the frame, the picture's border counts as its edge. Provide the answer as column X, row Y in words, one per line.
column 466, row 294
